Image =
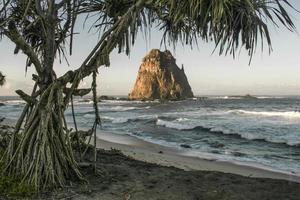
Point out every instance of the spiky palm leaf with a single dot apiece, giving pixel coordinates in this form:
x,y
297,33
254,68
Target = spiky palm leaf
x,y
230,24
2,79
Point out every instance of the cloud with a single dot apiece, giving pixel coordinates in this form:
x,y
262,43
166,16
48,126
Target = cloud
x,y
7,85
84,84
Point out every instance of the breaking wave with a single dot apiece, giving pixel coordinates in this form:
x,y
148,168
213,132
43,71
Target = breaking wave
x,y
219,130
285,114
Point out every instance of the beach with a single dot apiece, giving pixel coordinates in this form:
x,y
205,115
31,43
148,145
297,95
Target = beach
x,y
170,174
131,169
184,159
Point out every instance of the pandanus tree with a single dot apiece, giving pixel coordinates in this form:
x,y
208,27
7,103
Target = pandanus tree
x,y
43,30
2,79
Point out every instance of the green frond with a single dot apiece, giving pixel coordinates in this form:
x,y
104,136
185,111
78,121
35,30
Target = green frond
x,y
2,79
230,24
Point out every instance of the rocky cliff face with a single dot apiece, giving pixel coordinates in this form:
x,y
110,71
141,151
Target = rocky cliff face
x,y
160,78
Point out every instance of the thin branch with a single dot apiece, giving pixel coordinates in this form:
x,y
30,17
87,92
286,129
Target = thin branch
x,y
99,54
16,37
38,8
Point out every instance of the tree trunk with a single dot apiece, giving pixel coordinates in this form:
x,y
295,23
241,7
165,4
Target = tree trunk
x,y
43,155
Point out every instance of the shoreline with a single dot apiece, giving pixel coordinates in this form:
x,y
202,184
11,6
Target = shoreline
x,y
184,159
143,170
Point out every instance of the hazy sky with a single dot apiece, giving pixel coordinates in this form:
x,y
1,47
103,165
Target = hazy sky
x,y
275,74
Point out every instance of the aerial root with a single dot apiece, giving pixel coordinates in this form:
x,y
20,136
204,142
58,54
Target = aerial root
x,y
43,156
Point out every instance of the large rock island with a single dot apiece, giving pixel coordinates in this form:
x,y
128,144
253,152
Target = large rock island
x,y
160,78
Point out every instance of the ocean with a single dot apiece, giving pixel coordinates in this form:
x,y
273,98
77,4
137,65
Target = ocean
x,y
261,132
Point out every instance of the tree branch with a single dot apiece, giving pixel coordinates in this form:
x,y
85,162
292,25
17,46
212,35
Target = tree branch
x,y
15,37
29,99
61,4
67,24
100,54
38,8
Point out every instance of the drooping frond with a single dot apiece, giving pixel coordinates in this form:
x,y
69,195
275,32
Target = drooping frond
x,y
29,22
2,79
108,12
230,24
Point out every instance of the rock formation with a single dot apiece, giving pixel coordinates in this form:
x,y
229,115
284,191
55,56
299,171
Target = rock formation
x,y
160,78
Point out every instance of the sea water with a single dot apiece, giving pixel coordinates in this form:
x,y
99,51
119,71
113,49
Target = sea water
x,y
263,131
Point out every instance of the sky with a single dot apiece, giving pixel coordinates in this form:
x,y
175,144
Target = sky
x,y
277,73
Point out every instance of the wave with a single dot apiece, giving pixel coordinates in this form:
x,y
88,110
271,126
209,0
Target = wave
x,y
118,108
175,124
270,97
89,116
225,97
244,97
128,101
250,136
119,120
122,120
114,109
14,102
285,114
219,130
83,102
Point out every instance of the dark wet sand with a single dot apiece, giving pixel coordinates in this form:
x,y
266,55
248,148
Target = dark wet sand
x,y
122,177
179,176
185,158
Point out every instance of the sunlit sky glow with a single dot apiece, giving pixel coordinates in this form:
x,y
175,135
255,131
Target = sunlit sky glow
x,y
208,74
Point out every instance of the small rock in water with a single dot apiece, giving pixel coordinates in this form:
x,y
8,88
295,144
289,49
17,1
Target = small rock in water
x,y
2,104
161,152
217,145
237,154
104,97
215,151
2,119
185,146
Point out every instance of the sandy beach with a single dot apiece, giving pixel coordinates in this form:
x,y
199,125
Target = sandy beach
x,y
142,170
184,158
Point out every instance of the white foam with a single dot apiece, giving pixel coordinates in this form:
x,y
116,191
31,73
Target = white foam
x,y
285,114
120,120
269,97
174,124
118,108
82,102
182,119
246,135
89,116
225,97
14,102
